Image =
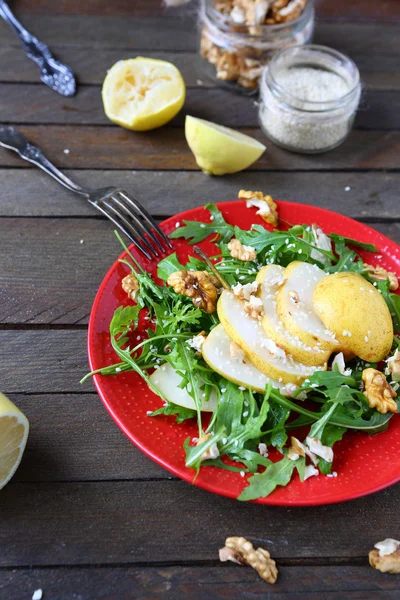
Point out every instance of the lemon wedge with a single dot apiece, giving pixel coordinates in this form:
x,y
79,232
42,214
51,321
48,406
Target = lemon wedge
x,y
14,429
219,150
143,93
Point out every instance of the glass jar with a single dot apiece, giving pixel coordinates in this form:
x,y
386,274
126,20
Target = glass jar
x,y
235,53
309,98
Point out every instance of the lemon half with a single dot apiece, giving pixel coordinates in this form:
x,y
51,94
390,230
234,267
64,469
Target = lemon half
x,y
14,429
219,150
143,93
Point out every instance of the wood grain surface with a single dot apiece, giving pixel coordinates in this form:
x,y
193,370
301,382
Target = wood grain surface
x,y
87,515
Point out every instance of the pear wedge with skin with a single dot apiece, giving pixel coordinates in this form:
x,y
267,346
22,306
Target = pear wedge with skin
x,y
294,303
216,352
259,349
270,278
168,380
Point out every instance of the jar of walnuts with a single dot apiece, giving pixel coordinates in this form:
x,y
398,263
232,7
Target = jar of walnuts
x,y
238,37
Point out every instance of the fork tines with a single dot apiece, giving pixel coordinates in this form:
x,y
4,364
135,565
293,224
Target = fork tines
x,y
135,222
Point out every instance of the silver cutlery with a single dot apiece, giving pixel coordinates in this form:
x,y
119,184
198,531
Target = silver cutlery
x,y
113,202
57,76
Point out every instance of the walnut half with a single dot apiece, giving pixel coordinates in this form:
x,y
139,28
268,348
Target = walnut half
x,y
242,552
200,286
130,285
238,250
380,274
267,208
386,556
378,392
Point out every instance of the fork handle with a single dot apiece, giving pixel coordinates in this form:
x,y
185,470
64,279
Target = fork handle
x,y
36,50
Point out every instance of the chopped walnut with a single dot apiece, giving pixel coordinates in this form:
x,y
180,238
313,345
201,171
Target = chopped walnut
x,y
238,250
386,557
130,285
236,353
298,449
242,552
243,292
294,296
200,286
393,364
289,12
211,452
197,341
267,208
378,392
380,274
253,307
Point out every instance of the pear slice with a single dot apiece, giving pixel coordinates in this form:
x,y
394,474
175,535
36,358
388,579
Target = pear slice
x,y
259,349
216,352
168,381
295,306
270,278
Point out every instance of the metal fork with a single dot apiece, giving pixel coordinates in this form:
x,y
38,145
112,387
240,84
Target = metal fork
x,y
113,202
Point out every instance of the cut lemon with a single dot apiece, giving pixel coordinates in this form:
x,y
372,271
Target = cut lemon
x,y
143,93
219,150
14,429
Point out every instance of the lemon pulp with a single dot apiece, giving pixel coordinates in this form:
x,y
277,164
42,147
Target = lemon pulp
x,y
14,429
143,93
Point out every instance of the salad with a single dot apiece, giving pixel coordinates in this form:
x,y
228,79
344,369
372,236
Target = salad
x,y
285,339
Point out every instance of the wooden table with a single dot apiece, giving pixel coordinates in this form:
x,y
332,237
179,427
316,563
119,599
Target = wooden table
x,y
87,515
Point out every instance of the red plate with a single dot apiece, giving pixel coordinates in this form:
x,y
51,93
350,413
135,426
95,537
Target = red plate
x,y
364,464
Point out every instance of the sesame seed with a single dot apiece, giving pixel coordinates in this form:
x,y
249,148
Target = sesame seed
x,y
347,188
246,413
242,473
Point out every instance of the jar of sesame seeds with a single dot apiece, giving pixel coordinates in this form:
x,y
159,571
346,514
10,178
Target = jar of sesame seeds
x,y
239,37
309,98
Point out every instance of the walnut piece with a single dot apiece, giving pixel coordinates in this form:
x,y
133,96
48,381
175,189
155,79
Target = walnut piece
x,y
267,208
130,285
393,364
380,274
200,286
236,353
289,12
254,307
242,552
378,392
386,557
244,253
294,296
243,292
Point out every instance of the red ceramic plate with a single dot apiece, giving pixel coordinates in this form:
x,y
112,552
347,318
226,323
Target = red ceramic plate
x,y
364,464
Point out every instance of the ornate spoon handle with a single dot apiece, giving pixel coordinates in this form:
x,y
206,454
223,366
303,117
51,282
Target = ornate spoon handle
x,y
57,76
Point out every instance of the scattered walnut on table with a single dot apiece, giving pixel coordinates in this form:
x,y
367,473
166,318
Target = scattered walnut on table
x,y
200,286
386,556
267,208
130,285
244,253
241,551
380,274
378,392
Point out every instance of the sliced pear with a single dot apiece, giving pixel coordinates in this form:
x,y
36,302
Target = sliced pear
x,y
216,352
259,349
168,381
358,315
270,278
295,307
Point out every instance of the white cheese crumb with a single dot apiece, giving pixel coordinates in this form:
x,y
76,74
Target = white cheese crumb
x,y
196,342
310,471
245,291
177,224
118,369
37,594
242,473
148,412
387,546
338,361
262,449
317,447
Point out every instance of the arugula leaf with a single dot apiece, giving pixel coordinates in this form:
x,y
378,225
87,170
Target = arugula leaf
x,y
196,231
364,246
195,453
263,484
331,434
393,302
182,413
168,265
329,380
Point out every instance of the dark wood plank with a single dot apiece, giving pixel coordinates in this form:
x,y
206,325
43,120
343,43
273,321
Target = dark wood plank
x,y
31,193
378,72
200,583
342,10
379,110
166,149
56,281
72,438
171,521
179,33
